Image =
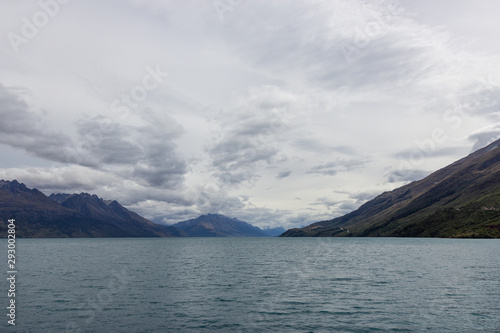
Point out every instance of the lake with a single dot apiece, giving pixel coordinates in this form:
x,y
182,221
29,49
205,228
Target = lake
x,y
254,285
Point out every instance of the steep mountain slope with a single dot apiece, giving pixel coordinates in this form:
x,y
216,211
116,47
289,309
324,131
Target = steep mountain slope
x,y
38,216
115,214
460,200
215,225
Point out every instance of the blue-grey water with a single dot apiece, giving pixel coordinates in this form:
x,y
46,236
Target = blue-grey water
x,y
255,285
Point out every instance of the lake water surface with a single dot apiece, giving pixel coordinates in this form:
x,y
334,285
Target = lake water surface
x,y
255,285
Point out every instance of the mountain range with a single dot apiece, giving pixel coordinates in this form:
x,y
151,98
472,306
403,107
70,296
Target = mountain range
x,y
460,200
87,215
71,215
215,225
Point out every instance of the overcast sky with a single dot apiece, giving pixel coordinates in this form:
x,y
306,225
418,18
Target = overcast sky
x,y
279,113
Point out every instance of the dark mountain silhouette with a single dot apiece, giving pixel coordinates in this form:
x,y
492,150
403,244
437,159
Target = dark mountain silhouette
x,y
215,225
110,210
77,215
460,200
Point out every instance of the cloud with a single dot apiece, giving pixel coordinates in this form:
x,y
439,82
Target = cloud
x,y
406,175
283,174
409,154
62,179
131,193
240,151
22,128
310,144
106,184
145,152
214,200
307,44
253,132
328,169
362,197
484,136
329,203
340,165
336,207
113,144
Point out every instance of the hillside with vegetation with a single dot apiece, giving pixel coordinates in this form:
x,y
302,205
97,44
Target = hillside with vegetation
x,y
461,200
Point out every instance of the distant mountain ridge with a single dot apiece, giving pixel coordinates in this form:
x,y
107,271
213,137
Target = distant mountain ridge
x,y
460,200
71,215
274,232
215,225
